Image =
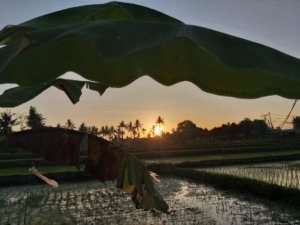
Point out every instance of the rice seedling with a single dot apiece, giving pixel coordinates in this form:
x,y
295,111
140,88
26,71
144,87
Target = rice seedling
x,y
93,202
280,173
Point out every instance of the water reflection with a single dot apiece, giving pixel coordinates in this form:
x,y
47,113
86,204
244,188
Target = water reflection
x,y
98,203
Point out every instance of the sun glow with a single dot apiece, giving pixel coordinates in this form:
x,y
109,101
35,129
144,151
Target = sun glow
x,y
157,131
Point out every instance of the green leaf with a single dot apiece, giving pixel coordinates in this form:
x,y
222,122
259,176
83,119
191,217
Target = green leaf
x,y
115,52
108,11
19,95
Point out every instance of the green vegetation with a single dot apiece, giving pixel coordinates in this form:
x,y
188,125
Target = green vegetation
x,y
34,120
163,53
70,125
4,172
186,132
296,122
177,160
7,121
97,203
283,174
243,185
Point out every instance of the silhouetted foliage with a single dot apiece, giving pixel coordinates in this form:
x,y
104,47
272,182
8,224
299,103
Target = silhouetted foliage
x,y
83,128
70,125
160,121
34,120
296,122
7,121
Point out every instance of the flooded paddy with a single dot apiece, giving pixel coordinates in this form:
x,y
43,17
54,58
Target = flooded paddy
x,y
281,173
97,203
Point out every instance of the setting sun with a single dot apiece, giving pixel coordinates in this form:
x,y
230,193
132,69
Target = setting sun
x,y
157,131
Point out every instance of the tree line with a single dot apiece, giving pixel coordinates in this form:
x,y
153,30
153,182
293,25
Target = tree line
x,y
185,130
35,120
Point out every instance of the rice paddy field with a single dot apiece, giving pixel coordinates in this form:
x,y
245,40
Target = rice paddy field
x,y
96,203
285,174
190,202
203,158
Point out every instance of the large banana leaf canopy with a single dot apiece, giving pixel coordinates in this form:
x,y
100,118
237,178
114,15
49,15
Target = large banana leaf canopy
x,y
113,44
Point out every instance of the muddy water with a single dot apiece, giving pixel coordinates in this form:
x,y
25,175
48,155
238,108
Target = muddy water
x,y
280,173
98,203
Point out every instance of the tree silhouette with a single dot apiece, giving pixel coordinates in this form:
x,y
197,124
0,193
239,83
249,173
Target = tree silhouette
x,y
7,121
93,130
105,131
137,126
122,126
160,121
102,131
144,130
70,125
296,122
112,133
34,120
130,128
152,130
119,133
83,128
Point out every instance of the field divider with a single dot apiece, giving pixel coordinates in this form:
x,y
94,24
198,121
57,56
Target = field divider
x,y
241,161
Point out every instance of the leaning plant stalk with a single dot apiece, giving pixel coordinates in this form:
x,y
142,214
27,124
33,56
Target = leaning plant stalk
x,y
52,183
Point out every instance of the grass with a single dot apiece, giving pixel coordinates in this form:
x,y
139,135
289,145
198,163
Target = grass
x,y
42,169
177,160
19,160
171,160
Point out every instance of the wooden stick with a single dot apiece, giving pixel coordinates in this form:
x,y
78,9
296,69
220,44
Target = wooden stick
x,y
53,183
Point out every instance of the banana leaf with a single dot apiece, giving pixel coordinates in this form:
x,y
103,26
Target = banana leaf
x,y
72,88
116,43
105,161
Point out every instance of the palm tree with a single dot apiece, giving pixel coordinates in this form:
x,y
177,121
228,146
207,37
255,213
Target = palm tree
x,y
122,125
152,130
105,131
137,126
34,120
130,127
102,131
144,130
70,125
119,133
134,132
159,121
7,122
93,130
112,133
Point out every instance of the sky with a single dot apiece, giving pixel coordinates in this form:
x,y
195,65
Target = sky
x,y
274,23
